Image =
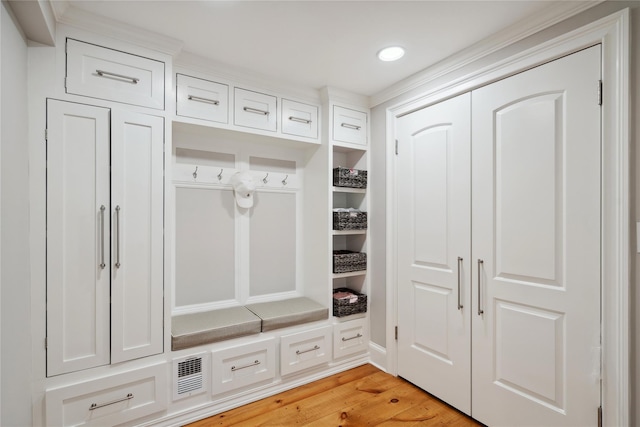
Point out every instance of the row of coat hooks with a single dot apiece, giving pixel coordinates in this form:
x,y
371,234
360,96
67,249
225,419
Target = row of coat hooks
x,y
265,180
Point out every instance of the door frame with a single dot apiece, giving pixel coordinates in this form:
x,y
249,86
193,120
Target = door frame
x,y
613,33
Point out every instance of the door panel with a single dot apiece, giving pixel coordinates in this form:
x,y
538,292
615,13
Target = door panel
x,y
77,237
137,235
536,245
433,212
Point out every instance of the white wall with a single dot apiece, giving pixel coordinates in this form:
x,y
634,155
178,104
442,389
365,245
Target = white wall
x,y
14,221
378,282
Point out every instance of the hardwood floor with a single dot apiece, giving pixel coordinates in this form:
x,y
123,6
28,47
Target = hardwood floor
x,y
363,396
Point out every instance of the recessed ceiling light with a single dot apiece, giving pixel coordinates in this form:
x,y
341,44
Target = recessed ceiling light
x,y
392,53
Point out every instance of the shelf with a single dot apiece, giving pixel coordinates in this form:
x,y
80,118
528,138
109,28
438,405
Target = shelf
x,y
348,232
349,190
349,274
347,147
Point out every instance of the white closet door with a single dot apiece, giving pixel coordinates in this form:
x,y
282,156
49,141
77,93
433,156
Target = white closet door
x,y
536,246
77,237
434,221
137,235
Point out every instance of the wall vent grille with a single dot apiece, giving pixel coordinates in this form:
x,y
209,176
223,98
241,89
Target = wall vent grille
x,y
189,376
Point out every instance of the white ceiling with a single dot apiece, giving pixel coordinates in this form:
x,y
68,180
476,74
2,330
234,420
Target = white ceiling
x,y
322,43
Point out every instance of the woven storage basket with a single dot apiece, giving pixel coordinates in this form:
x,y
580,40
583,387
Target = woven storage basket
x,y
344,307
349,220
347,261
353,178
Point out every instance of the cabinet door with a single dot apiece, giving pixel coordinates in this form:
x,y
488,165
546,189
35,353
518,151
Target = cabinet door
x,y
137,235
77,237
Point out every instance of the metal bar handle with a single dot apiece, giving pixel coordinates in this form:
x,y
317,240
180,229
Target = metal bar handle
x,y
205,100
102,73
480,265
255,111
102,264
350,126
100,405
255,363
353,337
300,120
315,347
460,306
118,237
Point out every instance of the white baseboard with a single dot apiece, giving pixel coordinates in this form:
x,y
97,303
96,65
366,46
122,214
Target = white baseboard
x,y
378,355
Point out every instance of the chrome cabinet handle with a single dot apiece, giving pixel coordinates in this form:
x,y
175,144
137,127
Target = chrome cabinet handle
x,y
352,338
350,126
100,405
205,100
118,237
299,120
315,347
255,111
480,265
255,363
102,73
102,264
460,306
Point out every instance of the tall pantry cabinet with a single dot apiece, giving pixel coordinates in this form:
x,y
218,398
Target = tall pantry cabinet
x,y
104,236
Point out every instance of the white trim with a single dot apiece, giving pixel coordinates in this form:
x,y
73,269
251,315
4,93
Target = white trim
x,y
558,12
613,33
378,356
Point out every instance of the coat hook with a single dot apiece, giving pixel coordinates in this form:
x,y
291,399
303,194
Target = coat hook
x,y
195,173
265,180
284,181
220,175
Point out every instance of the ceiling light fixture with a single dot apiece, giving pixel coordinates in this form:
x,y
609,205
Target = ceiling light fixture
x,y
392,53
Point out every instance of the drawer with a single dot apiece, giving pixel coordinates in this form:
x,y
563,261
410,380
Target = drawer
x,y
99,72
305,349
109,401
254,110
349,125
299,119
349,338
202,99
243,365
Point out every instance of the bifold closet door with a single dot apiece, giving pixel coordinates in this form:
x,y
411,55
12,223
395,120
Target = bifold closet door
x,y
434,229
78,223
536,246
137,206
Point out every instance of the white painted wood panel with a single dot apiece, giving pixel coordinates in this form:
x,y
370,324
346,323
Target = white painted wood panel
x,y
255,110
202,99
137,200
78,223
350,338
243,365
349,125
303,350
299,119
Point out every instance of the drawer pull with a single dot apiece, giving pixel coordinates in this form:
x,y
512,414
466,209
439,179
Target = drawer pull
x,y
315,347
205,100
350,126
300,120
352,338
101,73
255,111
100,405
256,363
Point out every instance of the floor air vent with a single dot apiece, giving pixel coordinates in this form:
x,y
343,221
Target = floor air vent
x,y
189,376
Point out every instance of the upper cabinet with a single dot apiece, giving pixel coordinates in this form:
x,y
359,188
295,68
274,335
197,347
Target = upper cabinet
x,y
349,125
299,119
103,73
202,99
255,110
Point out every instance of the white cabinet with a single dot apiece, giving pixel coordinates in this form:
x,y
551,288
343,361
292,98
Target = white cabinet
x,y
350,338
104,236
306,349
244,365
99,72
255,110
202,99
109,401
349,125
299,119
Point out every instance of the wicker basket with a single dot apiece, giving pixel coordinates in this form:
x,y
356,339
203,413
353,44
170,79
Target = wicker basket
x,y
353,178
348,306
347,261
349,220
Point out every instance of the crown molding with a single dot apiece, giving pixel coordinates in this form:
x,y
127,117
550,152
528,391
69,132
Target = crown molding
x,y
555,13
74,17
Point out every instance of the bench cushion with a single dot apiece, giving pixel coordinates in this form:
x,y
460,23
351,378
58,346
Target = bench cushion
x,y
294,311
190,330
